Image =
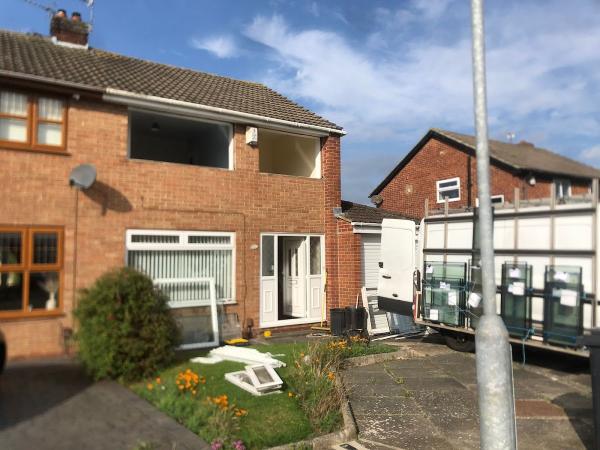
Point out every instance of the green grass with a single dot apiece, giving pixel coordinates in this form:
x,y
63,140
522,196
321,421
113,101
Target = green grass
x,y
271,420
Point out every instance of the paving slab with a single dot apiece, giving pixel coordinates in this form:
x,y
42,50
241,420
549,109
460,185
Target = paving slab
x,y
430,400
53,405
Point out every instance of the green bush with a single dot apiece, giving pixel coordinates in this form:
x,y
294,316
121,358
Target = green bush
x,y
312,378
126,330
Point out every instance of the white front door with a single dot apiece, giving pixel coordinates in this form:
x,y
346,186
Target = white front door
x,y
291,279
294,297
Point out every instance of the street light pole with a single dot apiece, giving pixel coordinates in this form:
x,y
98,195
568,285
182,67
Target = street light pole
x,y
494,356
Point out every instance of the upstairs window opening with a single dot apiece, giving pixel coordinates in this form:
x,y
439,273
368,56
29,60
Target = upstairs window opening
x,y
174,139
289,154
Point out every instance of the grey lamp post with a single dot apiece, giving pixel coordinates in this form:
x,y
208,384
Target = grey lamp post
x,y
494,358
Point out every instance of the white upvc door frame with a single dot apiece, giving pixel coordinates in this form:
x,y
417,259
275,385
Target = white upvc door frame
x,y
274,280
294,277
212,303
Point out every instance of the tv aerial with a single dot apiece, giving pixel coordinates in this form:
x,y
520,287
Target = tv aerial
x,y
51,10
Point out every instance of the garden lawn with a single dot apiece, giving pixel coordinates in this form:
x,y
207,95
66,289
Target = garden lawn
x,y
270,420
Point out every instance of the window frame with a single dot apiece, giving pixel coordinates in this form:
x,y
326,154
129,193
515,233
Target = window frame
x,y
27,267
229,126
32,120
183,245
438,191
492,197
559,182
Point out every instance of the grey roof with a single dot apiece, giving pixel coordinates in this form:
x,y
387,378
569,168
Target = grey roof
x,y
38,56
355,212
522,156
526,156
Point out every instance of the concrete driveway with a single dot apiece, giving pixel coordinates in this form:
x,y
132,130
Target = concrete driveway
x,y
429,401
53,405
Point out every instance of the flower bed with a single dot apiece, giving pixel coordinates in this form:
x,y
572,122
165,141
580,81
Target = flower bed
x,y
199,397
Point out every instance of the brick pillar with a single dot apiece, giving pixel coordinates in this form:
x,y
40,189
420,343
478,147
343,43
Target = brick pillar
x,y
330,170
348,265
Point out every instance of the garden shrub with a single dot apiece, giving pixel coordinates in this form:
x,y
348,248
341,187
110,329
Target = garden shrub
x,y
126,329
312,379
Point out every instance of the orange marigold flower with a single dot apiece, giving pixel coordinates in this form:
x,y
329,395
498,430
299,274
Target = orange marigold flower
x,y
150,386
158,380
331,375
290,394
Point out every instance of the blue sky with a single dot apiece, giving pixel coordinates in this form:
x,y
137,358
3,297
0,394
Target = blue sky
x,y
385,70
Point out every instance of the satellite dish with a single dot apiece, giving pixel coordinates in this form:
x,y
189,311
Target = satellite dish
x,y
83,176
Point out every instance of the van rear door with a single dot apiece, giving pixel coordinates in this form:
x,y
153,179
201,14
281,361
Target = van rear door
x,y
397,266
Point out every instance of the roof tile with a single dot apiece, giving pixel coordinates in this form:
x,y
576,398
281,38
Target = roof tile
x,y
37,55
356,212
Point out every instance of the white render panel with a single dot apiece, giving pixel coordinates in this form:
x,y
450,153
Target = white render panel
x,y
504,234
460,234
537,309
534,233
573,232
435,235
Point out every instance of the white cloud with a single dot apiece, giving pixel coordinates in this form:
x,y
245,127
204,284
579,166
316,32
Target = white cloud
x,y
591,154
413,11
426,83
368,96
220,46
543,74
431,9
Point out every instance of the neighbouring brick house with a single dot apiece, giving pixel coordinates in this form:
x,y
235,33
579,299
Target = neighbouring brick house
x,y
442,165
200,179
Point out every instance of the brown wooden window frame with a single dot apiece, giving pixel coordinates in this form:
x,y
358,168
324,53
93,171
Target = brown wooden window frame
x,y
26,267
32,121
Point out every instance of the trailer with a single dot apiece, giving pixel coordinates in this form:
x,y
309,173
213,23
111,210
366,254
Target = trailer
x,y
546,271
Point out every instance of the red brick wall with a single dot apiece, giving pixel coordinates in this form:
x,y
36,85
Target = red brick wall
x,y
154,195
349,265
407,191
330,163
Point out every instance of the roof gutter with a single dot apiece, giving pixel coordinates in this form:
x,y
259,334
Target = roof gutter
x,y
366,228
39,79
149,101
366,224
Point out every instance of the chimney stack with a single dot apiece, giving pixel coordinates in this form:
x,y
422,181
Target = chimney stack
x,y
529,144
72,31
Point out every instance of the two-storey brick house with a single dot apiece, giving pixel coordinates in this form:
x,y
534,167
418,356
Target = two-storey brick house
x,y
442,166
200,179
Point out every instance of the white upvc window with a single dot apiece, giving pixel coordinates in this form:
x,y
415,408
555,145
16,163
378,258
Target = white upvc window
x,y
562,187
181,256
496,200
448,189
